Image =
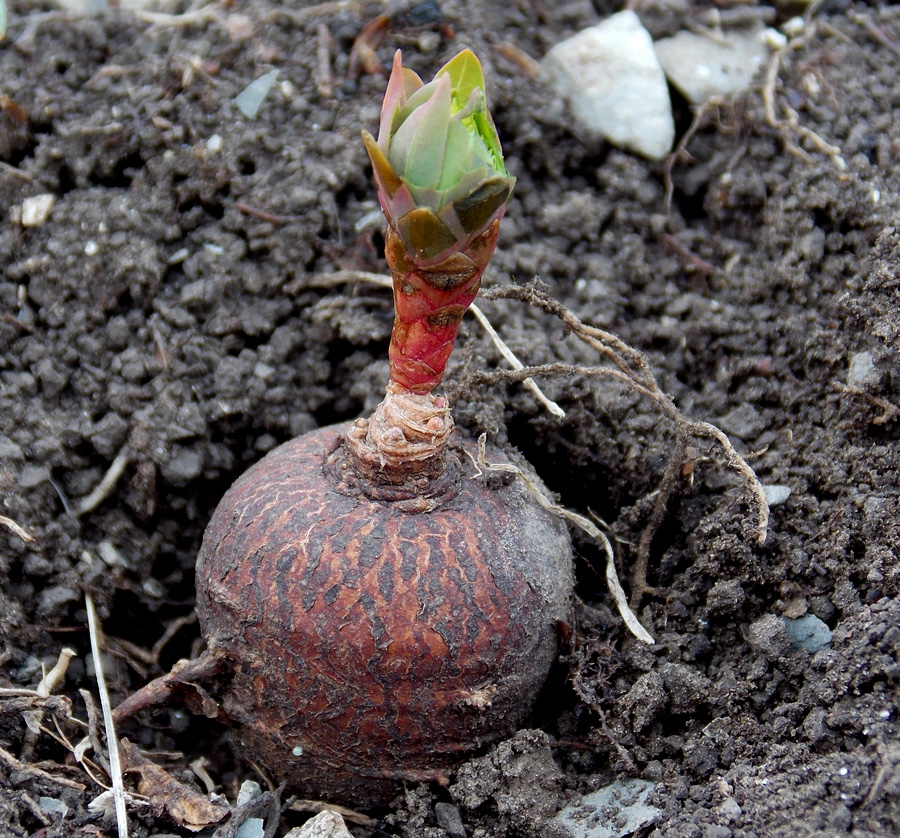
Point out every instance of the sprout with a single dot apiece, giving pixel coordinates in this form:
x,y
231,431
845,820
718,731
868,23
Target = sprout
x,y
438,162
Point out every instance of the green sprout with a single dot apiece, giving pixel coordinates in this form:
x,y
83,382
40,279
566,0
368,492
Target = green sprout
x,y
438,163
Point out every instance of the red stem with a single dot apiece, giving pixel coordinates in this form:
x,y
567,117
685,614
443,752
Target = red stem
x,y
429,303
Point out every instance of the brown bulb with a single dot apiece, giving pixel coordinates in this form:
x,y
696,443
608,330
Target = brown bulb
x,y
370,644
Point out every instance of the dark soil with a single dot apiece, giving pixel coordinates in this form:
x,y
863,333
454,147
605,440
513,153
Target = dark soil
x,y
181,312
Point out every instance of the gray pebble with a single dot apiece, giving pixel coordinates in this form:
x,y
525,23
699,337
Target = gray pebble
x,y
449,819
185,465
807,632
769,637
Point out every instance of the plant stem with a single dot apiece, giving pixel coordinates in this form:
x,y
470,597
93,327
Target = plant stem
x,y
429,303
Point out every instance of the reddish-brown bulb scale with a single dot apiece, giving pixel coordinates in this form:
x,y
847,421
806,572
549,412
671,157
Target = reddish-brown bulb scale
x,y
371,645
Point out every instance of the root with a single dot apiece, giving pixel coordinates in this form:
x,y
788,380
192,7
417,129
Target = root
x,y
612,579
629,367
790,126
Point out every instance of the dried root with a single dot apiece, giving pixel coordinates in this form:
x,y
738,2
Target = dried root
x,y
788,123
629,367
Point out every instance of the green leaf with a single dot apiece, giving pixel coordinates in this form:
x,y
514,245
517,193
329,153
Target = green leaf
x,y
465,74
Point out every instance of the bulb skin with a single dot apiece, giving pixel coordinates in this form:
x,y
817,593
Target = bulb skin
x,y
367,645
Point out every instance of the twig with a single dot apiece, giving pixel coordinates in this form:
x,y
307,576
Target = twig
x,y
115,767
889,411
18,765
320,9
792,121
660,503
16,529
205,14
633,370
700,429
324,80
104,488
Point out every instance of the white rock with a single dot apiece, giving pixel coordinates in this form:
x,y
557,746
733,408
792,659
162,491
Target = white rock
x,y
702,68
326,824
617,810
776,493
612,81
36,209
862,372
251,98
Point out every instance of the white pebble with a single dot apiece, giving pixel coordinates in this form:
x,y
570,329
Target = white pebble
x,y
612,81
36,209
326,824
702,68
776,494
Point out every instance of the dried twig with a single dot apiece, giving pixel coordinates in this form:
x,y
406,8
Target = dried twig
x,y
514,362
639,585
632,369
889,411
790,125
115,767
15,529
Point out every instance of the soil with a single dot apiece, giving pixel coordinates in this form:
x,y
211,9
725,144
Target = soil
x,y
193,300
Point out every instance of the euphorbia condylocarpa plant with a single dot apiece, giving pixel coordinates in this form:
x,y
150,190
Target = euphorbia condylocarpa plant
x,y
375,610
443,188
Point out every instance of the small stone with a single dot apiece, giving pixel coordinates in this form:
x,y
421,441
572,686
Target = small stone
x,y
807,632
448,818
730,809
326,824
702,68
617,810
713,830
863,372
184,466
611,78
53,806
36,209
776,493
239,27
251,828
251,98
31,476
248,791
769,637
